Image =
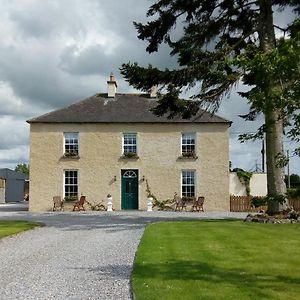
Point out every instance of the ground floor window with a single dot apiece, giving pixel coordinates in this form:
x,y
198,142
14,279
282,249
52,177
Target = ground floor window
x,y
71,183
188,183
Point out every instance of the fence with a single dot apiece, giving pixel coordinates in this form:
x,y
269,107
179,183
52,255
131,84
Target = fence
x,y
243,204
2,183
295,203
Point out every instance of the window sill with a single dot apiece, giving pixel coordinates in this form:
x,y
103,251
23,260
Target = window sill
x,y
129,157
188,157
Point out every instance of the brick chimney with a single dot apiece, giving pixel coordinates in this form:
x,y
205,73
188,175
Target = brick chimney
x,y
111,86
153,91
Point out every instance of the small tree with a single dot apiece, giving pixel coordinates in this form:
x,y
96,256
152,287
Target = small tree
x,y
294,180
23,168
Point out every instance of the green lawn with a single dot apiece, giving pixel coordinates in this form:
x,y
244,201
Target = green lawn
x,y
12,227
218,260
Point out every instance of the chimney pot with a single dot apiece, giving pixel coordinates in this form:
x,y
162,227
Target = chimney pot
x,y
112,77
111,86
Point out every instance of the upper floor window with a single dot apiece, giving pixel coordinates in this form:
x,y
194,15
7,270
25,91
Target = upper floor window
x,y
188,183
129,143
188,143
71,143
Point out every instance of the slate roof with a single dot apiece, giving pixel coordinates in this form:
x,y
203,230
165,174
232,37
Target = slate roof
x,y
124,108
6,173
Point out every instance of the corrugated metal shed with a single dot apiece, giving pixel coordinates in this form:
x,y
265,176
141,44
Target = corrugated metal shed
x,y
12,185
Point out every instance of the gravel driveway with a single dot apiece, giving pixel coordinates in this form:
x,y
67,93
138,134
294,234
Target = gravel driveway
x,y
77,255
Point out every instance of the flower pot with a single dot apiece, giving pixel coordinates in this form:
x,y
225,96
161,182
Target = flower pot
x,y
109,204
149,203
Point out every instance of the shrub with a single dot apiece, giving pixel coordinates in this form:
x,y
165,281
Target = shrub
x,y
188,199
293,193
258,201
188,154
294,215
130,154
70,154
71,198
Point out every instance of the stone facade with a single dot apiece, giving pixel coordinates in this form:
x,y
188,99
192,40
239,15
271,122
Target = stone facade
x,y
100,163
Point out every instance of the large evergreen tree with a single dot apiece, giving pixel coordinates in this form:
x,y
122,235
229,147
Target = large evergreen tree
x,y
224,42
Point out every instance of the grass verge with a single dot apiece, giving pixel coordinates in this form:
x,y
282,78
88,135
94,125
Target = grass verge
x,y
218,260
12,227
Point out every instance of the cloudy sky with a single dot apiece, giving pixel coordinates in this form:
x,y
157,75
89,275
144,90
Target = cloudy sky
x,y
56,52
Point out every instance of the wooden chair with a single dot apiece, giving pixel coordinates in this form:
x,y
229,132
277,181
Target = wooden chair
x,y
58,203
198,204
79,204
179,203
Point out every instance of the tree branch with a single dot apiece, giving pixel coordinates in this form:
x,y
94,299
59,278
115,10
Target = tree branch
x,y
280,28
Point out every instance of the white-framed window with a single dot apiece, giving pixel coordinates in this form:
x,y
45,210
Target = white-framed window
x,y
71,143
129,143
188,186
188,143
71,183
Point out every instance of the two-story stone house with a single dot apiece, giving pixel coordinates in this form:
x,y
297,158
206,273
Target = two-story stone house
x,y
112,144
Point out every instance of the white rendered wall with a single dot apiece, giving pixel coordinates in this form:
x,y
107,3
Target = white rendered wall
x,y
258,185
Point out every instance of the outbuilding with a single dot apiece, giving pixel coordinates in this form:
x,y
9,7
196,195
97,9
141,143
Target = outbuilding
x,y
12,185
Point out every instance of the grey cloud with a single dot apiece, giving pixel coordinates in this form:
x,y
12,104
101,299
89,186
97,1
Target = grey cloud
x,y
93,60
42,19
18,132
14,155
37,79
88,62
31,25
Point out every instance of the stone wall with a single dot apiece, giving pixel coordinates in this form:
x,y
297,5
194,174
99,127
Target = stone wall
x,y
100,162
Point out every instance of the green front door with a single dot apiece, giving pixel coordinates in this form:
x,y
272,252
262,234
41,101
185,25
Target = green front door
x,y
130,189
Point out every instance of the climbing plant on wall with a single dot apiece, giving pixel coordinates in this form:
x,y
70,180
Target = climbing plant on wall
x,y
244,178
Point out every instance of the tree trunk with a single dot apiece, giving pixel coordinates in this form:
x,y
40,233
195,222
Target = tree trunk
x,y
274,146
273,119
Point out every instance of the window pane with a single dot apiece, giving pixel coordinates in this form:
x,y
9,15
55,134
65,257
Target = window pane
x,y
71,183
188,142
129,141
188,184
71,142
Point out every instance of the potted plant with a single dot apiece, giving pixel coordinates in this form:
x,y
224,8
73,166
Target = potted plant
x,y
71,154
130,154
189,154
71,198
